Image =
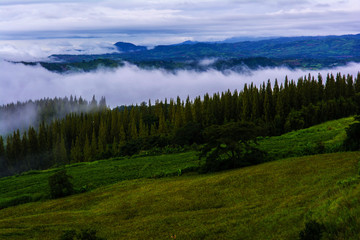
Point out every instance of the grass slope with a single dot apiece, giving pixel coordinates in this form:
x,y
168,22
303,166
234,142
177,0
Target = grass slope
x,y
322,138
33,185
267,201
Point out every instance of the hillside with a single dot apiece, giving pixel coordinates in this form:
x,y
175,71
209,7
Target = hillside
x,y
32,186
327,137
130,197
268,201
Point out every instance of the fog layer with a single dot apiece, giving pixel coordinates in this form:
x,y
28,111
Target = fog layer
x,y
131,85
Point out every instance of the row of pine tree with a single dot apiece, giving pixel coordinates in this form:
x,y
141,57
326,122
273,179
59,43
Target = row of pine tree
x,y
126,130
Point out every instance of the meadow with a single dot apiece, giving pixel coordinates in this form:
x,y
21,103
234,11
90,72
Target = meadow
x,y
327,137
267,201
33,185
160,197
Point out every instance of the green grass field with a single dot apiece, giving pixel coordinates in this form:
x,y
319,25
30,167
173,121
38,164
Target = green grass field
x,y
323,138
33,185
267,201
144,198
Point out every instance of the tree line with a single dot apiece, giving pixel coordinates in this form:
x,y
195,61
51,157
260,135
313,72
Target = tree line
x,y
21,115
153,127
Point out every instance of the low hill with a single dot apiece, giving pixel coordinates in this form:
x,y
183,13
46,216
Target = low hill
x,y
268,201
128,47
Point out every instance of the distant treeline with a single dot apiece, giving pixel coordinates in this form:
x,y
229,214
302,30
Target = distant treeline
x,y
173,124
21,115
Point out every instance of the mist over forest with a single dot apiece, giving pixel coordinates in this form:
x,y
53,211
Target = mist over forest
x,y
131,85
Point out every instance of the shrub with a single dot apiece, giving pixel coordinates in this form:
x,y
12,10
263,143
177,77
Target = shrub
x,y
313,231
84,234
88,234
68,235
352,141
60,185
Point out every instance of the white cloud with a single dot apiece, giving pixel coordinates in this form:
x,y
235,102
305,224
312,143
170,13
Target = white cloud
x,y
40,50
131,85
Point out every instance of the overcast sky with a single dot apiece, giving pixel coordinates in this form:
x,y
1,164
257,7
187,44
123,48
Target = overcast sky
x,y
31,29
169,21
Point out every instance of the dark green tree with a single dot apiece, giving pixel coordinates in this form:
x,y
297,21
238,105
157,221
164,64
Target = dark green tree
x,y
60,184
229,146
352,141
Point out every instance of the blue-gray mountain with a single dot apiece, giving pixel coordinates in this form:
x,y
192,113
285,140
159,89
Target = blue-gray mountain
x,y
294,52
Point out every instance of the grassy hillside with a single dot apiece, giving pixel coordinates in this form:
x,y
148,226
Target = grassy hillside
x,y
267,201
323,138
33,185
129,200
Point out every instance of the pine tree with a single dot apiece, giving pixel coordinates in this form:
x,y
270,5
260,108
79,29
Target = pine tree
x,y
115,147
153,130
330,88
255,111
122,134
93,146
246,104
2,149
16,147
162,129
350,89
133,132
24,146
59,151
76,152
357,83
102,138
179,121
87,150
143,130
188,111
198,114
268,103
33,141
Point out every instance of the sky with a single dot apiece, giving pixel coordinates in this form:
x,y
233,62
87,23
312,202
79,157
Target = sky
x,y
70,23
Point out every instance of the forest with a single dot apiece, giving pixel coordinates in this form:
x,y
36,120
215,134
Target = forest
x,y
75,130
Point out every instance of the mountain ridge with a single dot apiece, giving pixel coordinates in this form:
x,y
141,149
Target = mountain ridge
x,y
309,52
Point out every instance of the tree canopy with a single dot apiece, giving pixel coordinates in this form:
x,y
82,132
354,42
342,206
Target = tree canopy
x,y
231,145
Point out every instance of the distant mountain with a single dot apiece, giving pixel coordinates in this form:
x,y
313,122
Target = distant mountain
x,y
295,52
338,47
129,47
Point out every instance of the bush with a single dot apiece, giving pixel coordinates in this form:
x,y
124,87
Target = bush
x,y
68,235
88,234
60,185
313,231
352,141
84,234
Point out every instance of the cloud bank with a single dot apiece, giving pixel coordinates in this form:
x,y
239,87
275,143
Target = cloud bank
x,y
131,85
40,50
